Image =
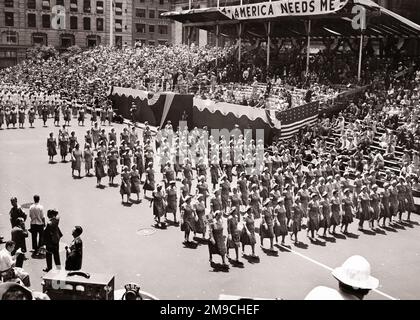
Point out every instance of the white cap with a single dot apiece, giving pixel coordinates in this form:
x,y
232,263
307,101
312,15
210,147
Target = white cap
x,y
324,293
355,272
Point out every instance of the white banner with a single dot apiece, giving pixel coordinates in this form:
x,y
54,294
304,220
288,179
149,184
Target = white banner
x,y
283,8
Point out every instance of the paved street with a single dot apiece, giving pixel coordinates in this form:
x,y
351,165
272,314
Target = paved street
x,y
116,242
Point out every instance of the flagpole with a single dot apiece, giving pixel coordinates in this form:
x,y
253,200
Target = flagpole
x,y
359,73
308,49
111,23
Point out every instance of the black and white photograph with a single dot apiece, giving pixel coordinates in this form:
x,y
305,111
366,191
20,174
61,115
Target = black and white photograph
x,y
210,150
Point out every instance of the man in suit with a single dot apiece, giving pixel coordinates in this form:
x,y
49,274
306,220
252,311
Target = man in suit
x,y
75,252
52,236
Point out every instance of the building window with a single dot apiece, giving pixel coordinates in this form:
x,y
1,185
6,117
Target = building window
x,y
86,6
31,4
66,40
45,4
39,39
151,14
140,28
100,7
86,23
163,29
118,8
73,5
141,13
73,23
8,3
118,41
9,18
142,1
162,42
151,28
46,21
9,37
151,42
92,41
59,2
31,20
99,24
161,2
118,25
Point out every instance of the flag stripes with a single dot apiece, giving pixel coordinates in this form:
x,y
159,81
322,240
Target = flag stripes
x,y
292,120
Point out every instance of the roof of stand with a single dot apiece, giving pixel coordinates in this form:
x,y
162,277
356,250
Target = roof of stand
x,y
381,23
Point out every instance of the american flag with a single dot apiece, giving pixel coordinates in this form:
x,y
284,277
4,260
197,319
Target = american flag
x,y
292,120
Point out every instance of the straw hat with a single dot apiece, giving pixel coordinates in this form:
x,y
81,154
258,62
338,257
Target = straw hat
x,y
355,272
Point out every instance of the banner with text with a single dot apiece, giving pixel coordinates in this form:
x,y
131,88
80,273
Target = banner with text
x,y
283,8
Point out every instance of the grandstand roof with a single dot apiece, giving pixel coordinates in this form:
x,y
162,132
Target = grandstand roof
x,y
381,23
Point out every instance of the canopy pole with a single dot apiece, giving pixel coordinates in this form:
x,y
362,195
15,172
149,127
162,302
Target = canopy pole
x,y
111,23
189,4
240,45
359,73
268,46
217,42
308,48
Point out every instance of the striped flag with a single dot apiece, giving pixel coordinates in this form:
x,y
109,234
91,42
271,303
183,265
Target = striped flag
x,y
294,119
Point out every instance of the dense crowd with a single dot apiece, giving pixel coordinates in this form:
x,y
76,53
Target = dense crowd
x,y
360,164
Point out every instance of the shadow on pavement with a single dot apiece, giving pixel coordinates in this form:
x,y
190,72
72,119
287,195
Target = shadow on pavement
x,y
127,204
328,239
270,252
301,245
317,242
368,232
236,264
397,226
339,236
201,241
190,245
352,235
251,259
283,248
406,224
390,229
380,231
218,267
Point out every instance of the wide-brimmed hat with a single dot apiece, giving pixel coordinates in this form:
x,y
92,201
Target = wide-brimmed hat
x,y
355,272
8,286
323,293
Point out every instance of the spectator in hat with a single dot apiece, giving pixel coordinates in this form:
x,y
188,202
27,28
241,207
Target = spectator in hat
x,y
74,254
52,236
354,282
16,212
19,235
